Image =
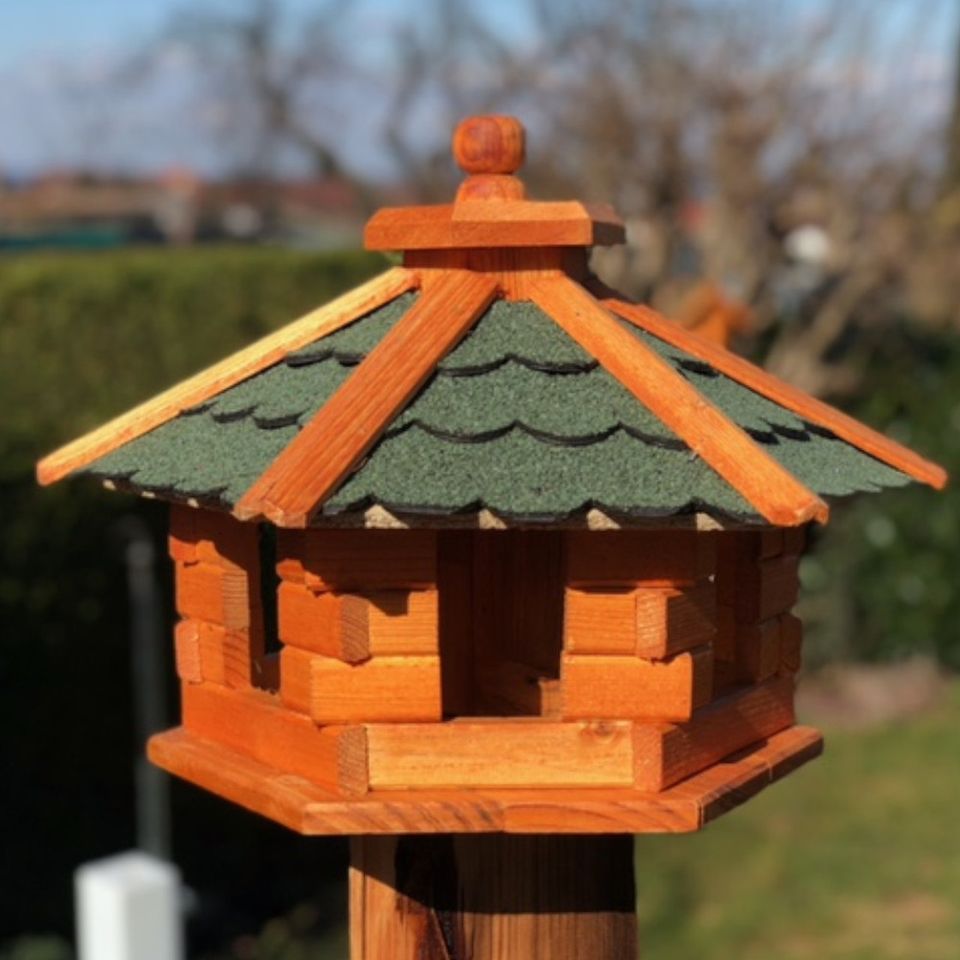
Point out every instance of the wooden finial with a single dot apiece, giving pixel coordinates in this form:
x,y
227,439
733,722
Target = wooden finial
x,y
490,150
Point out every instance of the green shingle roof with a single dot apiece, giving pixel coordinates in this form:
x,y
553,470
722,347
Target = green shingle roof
x,y
517,419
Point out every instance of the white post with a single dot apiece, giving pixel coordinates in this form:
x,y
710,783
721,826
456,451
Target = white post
x,y
128,908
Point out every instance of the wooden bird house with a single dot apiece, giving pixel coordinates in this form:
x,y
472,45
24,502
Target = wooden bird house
x,y
482,548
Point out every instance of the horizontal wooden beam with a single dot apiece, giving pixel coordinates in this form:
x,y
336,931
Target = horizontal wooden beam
x,y
389,689
594,686
228,372
500,753
793,399
480,223
650,622
256,725
766,485
356,626
668,754
314,810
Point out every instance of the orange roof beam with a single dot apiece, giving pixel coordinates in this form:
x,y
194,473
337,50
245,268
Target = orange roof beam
x,y
795,400
227,373
775,494
324,453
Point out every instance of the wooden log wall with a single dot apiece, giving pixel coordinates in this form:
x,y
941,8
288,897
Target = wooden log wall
x,y
359,624
219,638
468,659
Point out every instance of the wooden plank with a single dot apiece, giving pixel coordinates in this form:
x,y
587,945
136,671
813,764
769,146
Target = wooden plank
x,y
209,536
313,810
791,642
772,541
650,622
479,223
673,620
353,627
638,557
401,622
500,753
766,588
389,689
205,591
631,688
357,560
722,788
228,372
322,455
329,623
793,399
758,650
772,490
666,754
738,553
255,724
600,620
225,658
186,637
795,540
725,639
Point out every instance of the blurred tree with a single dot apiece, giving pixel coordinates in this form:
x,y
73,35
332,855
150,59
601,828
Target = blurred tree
x,y
269,80
719,128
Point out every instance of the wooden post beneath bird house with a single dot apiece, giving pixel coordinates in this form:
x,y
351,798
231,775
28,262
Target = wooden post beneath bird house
x,y
489,570
492,897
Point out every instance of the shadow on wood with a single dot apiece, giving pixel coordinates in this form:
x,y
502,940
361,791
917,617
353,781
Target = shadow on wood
x,y
489,897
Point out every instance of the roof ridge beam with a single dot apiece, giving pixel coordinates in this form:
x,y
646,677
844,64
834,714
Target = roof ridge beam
x,y
772,490
767,385
323,454
228,372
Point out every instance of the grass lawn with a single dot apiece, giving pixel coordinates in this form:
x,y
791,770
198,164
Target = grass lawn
x,y
856,856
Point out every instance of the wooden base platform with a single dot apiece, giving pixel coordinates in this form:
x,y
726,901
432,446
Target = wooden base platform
x,y
309,809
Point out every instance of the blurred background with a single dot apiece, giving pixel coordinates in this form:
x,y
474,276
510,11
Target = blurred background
x,y
178,178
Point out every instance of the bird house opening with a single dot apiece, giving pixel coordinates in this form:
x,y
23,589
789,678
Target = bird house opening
x,y
500,622
265,671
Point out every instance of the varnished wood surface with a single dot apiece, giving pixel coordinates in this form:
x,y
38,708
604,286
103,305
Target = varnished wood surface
x,y
502,752
238,366
322,455
802,404
492,898
310,809
771,489
486,223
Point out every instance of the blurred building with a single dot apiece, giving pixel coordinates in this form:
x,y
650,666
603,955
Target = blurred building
x,y
74,208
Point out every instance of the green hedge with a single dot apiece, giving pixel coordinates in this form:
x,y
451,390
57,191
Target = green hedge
x,y
86,336
83,337
882,583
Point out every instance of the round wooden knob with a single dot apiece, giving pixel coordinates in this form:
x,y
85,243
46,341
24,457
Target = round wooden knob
x,y
489,144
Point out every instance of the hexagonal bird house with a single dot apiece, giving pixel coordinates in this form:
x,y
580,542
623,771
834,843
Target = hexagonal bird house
x,y
483,547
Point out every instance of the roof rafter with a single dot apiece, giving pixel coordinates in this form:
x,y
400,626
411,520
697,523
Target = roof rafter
x,y
772,490
227,373
322,455
759,380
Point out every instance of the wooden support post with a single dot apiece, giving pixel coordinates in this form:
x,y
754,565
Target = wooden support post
x,y
494,896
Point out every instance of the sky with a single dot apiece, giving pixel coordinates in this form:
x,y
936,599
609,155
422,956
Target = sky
x,y
56,59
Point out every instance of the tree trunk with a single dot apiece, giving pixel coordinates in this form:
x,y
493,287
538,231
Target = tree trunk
x,y
492,897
